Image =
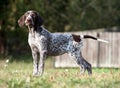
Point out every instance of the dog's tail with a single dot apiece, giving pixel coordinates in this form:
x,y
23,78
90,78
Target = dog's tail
x,y
88,36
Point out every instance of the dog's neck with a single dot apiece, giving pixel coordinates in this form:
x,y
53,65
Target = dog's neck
x,y
32,29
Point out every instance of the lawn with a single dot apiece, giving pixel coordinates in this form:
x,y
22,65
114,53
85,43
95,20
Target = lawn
x,y
18,74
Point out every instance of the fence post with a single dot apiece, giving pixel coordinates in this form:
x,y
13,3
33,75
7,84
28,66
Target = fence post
x,y
98,51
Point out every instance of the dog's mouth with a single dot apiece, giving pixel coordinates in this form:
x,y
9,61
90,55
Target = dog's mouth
x,y
28,22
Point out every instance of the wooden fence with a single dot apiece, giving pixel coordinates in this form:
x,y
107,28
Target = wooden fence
x,y
97,53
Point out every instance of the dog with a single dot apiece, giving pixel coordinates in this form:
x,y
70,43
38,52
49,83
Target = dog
x,y
52,44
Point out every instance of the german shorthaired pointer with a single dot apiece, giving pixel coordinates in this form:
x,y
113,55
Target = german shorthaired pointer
x,y
52,44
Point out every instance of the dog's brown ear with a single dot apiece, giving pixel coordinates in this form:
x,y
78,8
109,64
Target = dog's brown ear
x,y
39,20
21,21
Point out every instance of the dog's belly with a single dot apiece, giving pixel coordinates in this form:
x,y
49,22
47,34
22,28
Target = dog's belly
x,y
53,53
57,50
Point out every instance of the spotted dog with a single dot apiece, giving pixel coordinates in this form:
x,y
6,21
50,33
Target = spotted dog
x,y
52,44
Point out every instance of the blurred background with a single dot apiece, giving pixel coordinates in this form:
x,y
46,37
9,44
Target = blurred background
x,y
59,16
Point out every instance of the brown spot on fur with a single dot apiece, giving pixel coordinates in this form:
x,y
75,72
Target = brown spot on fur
x,y
76,38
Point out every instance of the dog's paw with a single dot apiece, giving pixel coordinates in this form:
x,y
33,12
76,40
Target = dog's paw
x,y
40,73
35,74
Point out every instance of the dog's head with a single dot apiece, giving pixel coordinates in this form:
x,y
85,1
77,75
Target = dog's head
x,y
30,18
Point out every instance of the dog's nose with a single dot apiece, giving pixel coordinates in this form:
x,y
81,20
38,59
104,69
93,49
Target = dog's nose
x,y
28,20
28,17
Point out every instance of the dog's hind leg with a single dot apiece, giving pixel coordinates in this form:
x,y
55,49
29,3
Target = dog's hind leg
x,y
88,67
75,53
83,64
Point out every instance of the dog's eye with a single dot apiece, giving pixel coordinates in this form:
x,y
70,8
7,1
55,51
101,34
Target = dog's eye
x,y
27,13
33,15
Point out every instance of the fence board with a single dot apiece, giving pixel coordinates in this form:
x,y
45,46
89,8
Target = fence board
x,y
109,54
97,53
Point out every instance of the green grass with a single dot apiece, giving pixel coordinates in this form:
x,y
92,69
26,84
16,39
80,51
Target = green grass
x,y
18,74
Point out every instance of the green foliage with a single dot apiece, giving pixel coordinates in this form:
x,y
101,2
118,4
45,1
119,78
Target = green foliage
x,y
67,15
17,41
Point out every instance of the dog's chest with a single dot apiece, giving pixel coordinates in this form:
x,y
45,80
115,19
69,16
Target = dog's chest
x,y
34,40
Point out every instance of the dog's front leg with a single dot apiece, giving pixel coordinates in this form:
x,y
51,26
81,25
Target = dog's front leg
x,y
43,53
35,63
41,63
